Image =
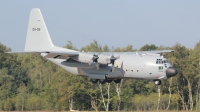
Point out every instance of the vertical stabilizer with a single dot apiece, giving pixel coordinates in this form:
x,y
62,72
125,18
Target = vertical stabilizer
x,y
38,38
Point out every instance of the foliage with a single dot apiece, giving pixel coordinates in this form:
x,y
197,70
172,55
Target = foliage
x,y
30,82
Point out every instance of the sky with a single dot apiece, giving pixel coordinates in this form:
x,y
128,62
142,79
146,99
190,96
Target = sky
x,y
115,23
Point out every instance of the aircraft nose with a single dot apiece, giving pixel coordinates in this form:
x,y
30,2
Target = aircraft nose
x,y
171,71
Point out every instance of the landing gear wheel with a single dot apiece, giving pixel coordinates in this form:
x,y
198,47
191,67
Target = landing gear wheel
x,y
108,81
94,80
117,80
102,81
157,82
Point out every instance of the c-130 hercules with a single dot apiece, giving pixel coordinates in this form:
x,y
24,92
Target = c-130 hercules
x,y
100,67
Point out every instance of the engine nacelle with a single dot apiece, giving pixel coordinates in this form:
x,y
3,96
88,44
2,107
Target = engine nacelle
x,y
77,64
103,59
84,58
87,58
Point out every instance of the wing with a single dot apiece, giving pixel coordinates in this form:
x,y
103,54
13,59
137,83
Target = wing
x,y
50,54
60,55
157,51
137,52
65,54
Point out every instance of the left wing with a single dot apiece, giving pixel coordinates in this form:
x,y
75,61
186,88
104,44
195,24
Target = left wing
x,y
51,54
64,54
60,55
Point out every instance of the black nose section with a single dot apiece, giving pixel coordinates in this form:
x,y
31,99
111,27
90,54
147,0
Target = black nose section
x,y
171,71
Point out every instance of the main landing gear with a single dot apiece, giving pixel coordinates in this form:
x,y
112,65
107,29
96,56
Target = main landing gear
x,y
157,82
103,81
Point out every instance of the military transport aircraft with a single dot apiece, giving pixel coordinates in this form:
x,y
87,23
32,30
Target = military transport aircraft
x,y
99,67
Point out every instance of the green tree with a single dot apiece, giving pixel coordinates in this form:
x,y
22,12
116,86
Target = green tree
x,y
148,47
21,98
93,47
69,45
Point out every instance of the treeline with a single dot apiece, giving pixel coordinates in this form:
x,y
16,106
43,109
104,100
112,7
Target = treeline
x,y
30,82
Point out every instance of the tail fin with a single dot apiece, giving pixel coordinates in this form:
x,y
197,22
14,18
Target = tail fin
x,y
38,37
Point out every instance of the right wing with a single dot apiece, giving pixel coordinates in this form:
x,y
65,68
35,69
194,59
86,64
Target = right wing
x,y
157,51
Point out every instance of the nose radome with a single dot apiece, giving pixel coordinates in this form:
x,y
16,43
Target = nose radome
x,y
171,71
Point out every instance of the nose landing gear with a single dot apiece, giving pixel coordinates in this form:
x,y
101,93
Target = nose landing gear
x,y
157,82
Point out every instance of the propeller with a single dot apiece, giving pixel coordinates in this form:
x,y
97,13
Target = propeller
x,y
95,59
112,60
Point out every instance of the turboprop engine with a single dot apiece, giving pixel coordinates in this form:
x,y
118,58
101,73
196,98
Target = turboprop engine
x,y
88,58
84,58
97,59
103,59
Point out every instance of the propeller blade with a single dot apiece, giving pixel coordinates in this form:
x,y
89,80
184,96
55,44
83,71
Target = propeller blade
x,y
90,62
113,68
99,53
118,57
97,66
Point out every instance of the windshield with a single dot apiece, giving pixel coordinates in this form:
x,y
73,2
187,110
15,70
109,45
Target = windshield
x,y
160,61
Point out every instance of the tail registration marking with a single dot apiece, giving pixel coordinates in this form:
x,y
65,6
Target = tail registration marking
x,y
35,29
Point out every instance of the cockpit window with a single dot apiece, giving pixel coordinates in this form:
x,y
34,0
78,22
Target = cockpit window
x,y
160,61
166,61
